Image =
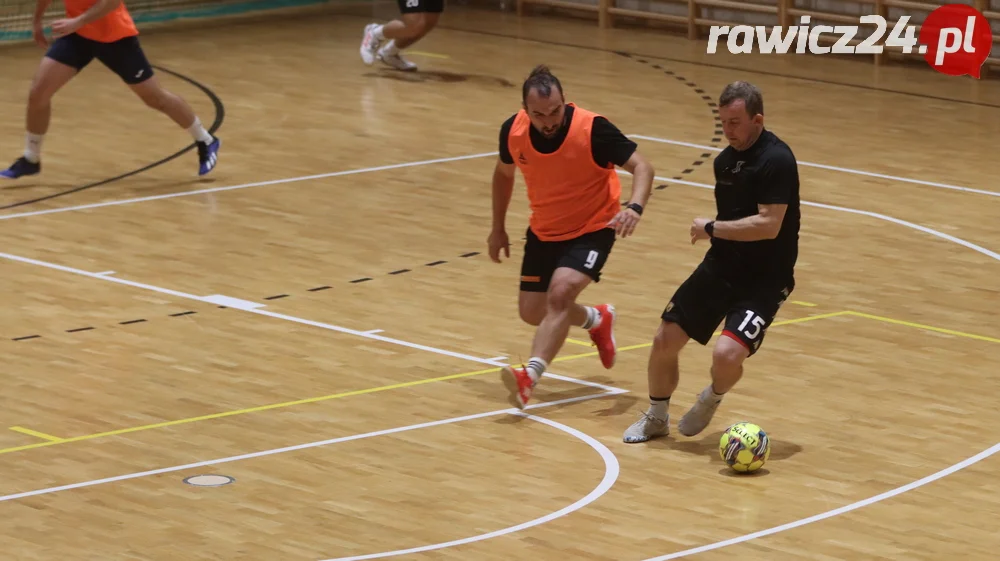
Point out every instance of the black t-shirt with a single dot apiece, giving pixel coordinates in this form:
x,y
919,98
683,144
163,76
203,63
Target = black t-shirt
x,y
608,144
765,173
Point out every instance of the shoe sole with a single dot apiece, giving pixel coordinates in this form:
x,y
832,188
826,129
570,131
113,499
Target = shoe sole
x,y
510,382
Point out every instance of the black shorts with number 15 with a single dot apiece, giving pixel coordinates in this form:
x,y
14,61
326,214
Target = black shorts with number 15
x,y
587,253
707,298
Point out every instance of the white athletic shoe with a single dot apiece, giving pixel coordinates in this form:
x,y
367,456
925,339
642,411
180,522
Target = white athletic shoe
x,y
700,414
369,44
391,57
646,428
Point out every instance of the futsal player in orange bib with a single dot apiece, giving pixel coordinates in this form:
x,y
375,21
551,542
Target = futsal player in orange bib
x,y
567,156
101,29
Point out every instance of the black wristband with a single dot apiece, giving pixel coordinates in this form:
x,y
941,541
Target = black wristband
x,y
636,207
710,228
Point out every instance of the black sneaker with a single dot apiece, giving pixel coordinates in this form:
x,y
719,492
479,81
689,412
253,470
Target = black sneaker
x,y
21,168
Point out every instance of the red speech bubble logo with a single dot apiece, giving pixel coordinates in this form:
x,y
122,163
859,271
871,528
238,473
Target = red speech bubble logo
x,y
957,39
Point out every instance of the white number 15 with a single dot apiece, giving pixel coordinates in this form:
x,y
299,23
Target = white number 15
x,y
757,321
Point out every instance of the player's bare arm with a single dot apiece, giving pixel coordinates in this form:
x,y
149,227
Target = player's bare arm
x,y
764,225
503,188
67,26
38,35
642,172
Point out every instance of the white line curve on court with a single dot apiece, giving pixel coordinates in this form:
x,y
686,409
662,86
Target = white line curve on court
x,y
980,249
837,511
511,411
832,168
611,471
247,185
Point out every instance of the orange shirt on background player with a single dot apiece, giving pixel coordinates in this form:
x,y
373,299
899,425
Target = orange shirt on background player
x,y
569,194
114,26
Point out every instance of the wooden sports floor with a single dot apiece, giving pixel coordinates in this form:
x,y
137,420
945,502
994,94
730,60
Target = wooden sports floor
x,y
318,319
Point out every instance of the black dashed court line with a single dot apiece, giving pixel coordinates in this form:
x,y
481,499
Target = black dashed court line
x,y
709,101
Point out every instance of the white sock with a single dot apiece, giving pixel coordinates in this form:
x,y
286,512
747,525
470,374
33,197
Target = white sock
x,y
658,407
709,394
33,147
390,48
199,133
593,320
536,367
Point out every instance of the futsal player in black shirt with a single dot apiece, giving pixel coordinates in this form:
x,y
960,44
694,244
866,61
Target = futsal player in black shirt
x,y
746,274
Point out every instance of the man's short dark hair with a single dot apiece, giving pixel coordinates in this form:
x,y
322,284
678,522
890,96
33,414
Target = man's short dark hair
x,y
746,91
542,80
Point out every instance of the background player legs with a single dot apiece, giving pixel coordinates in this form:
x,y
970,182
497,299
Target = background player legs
x,y
50,77
385,41
154,95
409,30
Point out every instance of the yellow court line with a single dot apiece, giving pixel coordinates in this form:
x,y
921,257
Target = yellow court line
x,y
927,327
577,342
424,53
244,411
650,344
335,396
806,304
37,434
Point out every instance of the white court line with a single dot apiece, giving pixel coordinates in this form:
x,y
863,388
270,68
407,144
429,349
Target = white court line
x,y
274,451
837,511
256,308
247,185
611,471
831,168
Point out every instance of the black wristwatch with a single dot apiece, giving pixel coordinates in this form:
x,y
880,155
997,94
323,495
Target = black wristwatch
x,y
636,207
710,228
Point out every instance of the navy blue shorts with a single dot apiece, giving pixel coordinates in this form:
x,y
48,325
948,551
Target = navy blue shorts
x,y
124,57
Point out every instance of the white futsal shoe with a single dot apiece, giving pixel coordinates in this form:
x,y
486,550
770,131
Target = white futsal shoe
x,y
389,55
369,44
646,428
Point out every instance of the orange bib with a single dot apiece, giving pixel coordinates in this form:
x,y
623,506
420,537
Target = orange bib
x,y
116,25
569,194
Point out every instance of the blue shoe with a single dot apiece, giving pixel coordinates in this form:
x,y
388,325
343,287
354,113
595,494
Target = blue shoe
x,y
208,156
21,168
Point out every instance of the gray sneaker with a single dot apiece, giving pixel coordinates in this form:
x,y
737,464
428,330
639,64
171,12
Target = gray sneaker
x,y
646,428
700,414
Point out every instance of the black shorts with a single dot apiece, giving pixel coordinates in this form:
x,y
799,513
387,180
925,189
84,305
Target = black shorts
x,y
587,254
124,57
707,298
420,6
